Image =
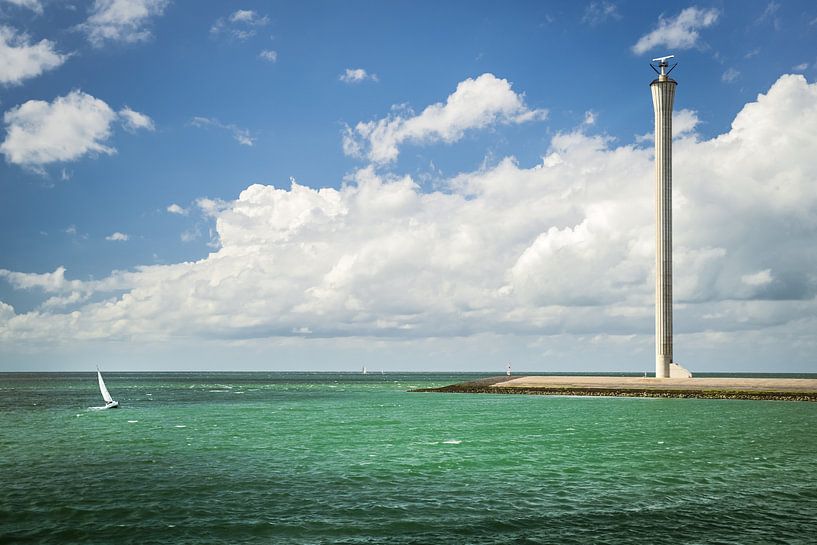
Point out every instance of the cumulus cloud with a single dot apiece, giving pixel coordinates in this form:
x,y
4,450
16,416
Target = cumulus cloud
x,y
356,75
476,103
121,20
564,247
21,60
684,122
134,121
242,136
39,132
240,25
269,55
680,32
117,237
34,5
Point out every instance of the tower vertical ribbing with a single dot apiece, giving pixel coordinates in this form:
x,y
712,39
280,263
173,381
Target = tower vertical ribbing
x,y
663,95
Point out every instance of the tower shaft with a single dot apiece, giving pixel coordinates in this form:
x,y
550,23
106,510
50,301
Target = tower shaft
x,y
663,95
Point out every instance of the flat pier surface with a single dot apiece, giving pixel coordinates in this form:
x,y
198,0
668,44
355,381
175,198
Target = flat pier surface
x,y
703,383
788,389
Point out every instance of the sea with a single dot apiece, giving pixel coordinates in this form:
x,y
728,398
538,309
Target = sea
x,y
314,458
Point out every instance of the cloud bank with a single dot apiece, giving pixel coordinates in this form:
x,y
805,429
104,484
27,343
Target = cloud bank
x,y
564,247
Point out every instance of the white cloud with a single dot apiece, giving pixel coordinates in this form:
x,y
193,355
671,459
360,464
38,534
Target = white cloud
x,y
249,17
49,282
684,122
590,117
40,132
561,248
356,75
176,209
800,67
240,25
269,55
34,5
211,207
242,136
680,32
133,120
77,124
21,60
730,75
597,13
760,278
117,236
121,20
476,103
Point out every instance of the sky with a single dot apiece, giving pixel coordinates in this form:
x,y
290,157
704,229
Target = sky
x,y
406,185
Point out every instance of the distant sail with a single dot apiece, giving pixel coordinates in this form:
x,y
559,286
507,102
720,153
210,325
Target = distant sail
x,y
106,395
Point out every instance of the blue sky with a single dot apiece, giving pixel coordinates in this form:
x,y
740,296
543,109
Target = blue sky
x,y
147,119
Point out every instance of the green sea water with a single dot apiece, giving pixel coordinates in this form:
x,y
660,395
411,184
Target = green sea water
x,y
201,458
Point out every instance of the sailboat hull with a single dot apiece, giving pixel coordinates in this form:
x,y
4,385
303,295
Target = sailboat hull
x,y
113,405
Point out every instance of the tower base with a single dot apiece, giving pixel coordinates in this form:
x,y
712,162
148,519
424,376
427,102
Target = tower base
x,y
662,366
677,371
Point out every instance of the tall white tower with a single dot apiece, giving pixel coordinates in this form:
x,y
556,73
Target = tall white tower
x,y
663,95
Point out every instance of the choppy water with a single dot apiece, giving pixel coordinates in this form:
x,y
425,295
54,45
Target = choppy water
x,y
321,458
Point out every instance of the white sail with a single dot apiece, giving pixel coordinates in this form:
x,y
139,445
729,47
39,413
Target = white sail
x,y
106,395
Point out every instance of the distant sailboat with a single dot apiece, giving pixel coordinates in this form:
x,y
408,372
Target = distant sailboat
x,y
508,369
106,395
365,371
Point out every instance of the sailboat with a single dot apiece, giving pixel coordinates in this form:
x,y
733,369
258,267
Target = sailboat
x,y
106,395
365,371
508,369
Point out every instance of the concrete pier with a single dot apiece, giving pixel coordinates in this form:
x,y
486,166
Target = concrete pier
x,y
779,389
663,96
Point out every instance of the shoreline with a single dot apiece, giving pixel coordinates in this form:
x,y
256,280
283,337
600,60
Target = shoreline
x,y
754,389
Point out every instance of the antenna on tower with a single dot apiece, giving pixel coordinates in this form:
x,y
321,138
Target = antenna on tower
x,y
663,65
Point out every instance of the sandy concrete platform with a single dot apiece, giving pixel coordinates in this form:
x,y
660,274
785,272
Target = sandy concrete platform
x,y
781,389
702,383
